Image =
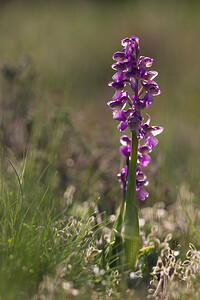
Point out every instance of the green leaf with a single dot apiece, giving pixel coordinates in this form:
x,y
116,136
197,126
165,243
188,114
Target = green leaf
x,y
131,221
117,238
145,250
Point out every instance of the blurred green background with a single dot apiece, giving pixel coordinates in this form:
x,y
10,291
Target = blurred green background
x,y
58,133
70,44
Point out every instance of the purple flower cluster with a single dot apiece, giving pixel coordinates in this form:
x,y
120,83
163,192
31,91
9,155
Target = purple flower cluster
x,y
132,72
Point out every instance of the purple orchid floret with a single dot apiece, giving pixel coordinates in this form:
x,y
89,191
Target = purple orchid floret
x,y
132,70
125,148
142,194
122,177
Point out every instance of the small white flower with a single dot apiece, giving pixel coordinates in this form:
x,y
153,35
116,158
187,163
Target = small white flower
x,y
102,272
96,270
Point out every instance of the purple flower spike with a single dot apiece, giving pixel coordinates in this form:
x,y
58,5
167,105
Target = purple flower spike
x,y
132,71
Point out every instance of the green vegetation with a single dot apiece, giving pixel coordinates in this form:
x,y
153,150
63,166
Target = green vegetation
x,y
58,187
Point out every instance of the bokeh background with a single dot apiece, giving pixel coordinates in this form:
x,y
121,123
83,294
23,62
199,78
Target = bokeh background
x,y
59,146
55,65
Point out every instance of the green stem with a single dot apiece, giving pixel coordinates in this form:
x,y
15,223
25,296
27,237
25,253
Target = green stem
x,y
131,222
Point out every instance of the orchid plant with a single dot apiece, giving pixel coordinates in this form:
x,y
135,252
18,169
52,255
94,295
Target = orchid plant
x,y
131,72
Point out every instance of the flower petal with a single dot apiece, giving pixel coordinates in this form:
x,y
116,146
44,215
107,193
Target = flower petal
x,y
148,98
118,76
155,130
150,75
121,66
123,177
117,95
146,61
151,141
116,105
144,149
142,194
125,150
152,87
123,126
141,176
117,85
119,115
125,140
141,183
125,42
118,56
145,159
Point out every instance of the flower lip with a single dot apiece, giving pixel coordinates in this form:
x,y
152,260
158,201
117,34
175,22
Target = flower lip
x,y
121,66
117,95
118,76
155,130
141,176
144,160
148,98
123,177
144,149
119,115
151,141
150,75
145,61
123,126
117,85
142,194
125,42
116,104
125,140
142,183
151,86
125,150
118,56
